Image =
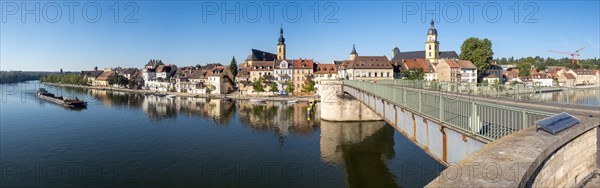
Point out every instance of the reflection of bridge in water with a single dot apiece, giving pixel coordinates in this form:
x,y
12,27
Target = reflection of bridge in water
x,y
362,147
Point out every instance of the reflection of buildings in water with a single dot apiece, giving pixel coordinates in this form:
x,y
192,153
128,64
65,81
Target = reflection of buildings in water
x,y
576,96
278,117
362,148
116,98
102,96
159,108
163,107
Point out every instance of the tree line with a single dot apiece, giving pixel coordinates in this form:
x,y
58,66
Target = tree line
x,y
64,79
541,63
21,76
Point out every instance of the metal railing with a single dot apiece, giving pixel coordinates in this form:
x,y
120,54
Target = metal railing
x,y
589,96
488,120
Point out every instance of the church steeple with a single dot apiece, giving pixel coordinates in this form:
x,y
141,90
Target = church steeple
x,y
353,54
432,30
432,46
281,39
281,45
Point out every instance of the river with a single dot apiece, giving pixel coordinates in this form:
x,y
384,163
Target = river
x,y
574,96
124,139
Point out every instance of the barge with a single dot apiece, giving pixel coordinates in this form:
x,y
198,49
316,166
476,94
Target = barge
x,y
44,94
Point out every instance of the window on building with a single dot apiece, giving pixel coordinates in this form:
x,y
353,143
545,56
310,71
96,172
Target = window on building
x,y
430,47
375,74
429,54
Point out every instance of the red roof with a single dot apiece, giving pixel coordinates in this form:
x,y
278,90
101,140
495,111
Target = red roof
x,y
491,76
424,64
452,63
569,76
512,73
164,68
370,62
105,76
303,64
262,65
465,64
217,71
326,69
244,73
540,75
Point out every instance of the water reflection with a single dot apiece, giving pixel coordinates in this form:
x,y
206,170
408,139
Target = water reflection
x,y
583,96
277,116
362,148
367,154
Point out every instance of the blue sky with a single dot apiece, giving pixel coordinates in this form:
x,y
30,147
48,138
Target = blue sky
x,y
186,33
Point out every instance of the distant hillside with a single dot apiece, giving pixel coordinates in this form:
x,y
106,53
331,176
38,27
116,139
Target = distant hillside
x,y
21,76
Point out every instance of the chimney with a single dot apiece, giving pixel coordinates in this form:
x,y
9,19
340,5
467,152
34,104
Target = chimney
x,y
95,68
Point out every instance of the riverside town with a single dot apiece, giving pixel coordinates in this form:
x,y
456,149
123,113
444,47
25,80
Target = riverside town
x,y
345,94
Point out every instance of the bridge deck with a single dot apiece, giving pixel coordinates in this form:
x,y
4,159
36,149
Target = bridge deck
x,y
487,117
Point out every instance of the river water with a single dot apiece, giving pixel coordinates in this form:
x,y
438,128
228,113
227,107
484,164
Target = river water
x,y
124,139
575,96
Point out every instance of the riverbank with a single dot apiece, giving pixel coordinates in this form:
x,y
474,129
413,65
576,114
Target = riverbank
x,y
234,95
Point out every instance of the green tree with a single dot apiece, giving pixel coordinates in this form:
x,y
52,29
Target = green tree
x,y
289,87
413,74
524,66
64,79
309,86
209,89
495,85
477,51
118,80
273,87
257,85
540,67
233,66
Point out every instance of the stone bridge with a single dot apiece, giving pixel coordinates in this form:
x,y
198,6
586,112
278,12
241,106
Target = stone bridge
x,y
485,142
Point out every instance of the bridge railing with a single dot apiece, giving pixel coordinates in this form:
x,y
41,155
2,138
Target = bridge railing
x,y
517,92
488,120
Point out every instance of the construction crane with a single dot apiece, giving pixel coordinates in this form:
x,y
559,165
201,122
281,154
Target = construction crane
x,y
576,53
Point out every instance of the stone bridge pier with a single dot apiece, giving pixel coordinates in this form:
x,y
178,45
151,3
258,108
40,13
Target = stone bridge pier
x,y
338,106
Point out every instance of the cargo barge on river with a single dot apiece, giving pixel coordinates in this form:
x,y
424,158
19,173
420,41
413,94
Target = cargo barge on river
x,y
44,94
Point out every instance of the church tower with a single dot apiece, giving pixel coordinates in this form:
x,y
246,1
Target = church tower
x,y
432,46
353,54
281,46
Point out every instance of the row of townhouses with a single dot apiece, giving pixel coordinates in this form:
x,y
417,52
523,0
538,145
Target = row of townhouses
x,y
553,76
278,73
157,76
276,68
